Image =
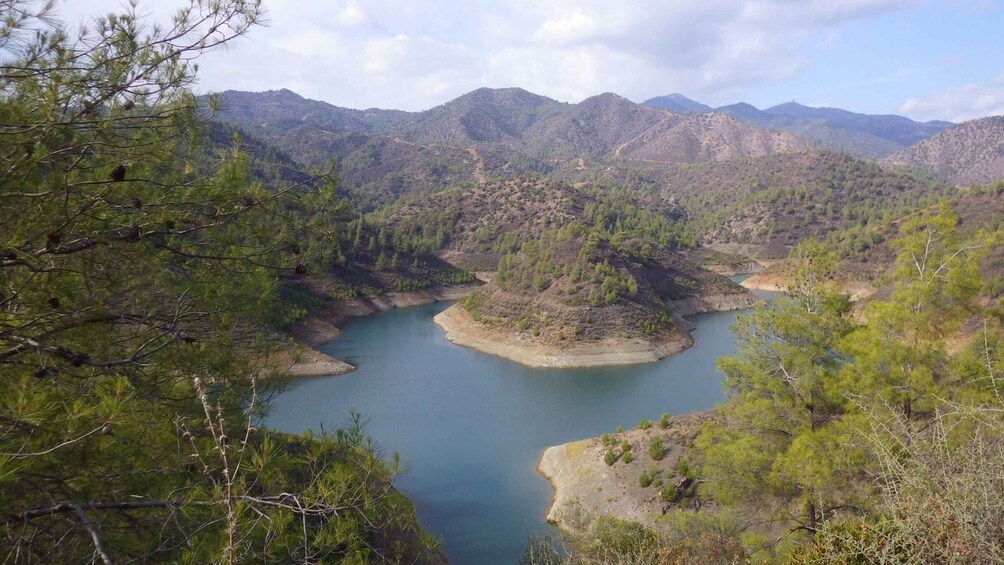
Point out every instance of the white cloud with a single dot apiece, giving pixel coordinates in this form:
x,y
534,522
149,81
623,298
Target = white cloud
x,y
961,103
413,55
356,15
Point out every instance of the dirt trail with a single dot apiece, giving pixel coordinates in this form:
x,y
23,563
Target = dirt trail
x,y
617,152
479,165
406,142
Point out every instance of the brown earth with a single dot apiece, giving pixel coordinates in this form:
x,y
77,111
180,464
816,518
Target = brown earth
x,y
582,479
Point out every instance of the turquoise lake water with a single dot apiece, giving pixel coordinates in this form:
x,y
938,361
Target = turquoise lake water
x,y
471,427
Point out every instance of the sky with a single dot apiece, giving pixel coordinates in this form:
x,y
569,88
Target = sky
x,y
926,59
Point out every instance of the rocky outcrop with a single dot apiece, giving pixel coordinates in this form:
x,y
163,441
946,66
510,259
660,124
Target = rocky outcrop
x,y
307,362
582,479
714,303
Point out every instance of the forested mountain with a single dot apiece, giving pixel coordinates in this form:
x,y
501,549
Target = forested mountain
x,y
484,116
385,154
576,289
710,177
863,135
768,204
475,227
275,111
969,153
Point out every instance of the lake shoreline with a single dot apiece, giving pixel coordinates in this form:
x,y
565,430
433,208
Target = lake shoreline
x,y
323,325
417,390
582,481
855,289
461,329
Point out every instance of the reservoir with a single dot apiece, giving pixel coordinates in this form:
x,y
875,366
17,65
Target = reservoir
x,y
470,427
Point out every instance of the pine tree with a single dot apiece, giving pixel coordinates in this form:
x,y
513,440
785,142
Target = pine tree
x,y
134,276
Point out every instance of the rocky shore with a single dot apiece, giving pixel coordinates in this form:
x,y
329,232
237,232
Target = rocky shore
x,y
583,481
322,326
714,303
461,329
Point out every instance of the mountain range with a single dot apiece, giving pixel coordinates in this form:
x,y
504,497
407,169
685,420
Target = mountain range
x,y
862,135
582,209
605,126
386,153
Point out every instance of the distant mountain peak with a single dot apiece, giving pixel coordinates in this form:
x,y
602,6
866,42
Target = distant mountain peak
x,y
678,103
741,105
508,95
607,96
285,94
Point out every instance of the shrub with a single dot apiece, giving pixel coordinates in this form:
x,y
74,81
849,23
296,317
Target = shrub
x,y
540,550
669,493
644,479
683,469
664,420
609,458
625,446
613,537
627,457
644,424
655,448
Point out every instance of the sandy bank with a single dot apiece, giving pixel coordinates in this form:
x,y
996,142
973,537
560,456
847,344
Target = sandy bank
x,y
322,326
581,477
777,282
462,330
306,362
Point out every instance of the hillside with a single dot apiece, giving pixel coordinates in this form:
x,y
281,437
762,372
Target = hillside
x,y
834,129
568,299
969,153
486,133
866,252
275,111
707,137
475,227
763,206
484,116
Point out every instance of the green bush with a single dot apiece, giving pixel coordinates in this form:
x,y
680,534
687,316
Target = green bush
x,y
609,458
613,537
655,449
683,469
644,479
627,457
644,424
664,420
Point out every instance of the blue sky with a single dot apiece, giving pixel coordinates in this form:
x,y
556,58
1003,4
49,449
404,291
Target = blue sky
x,y
928,59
